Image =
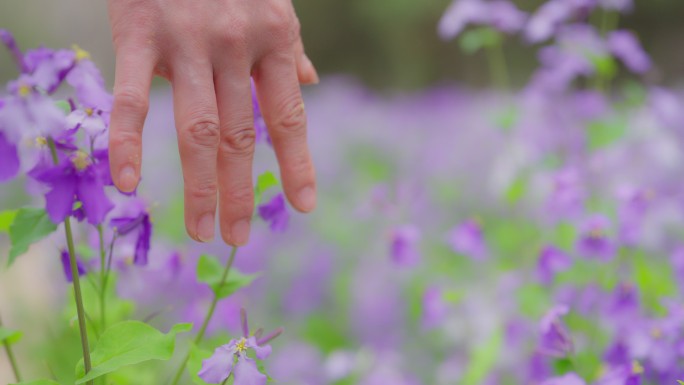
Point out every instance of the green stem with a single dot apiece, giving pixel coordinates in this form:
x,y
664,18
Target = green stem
x,y
497,65
12,360
103,280
78,296
208,317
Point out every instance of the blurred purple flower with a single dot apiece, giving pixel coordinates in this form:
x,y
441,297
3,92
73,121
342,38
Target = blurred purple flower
x,y
552,260
468,239
87,81
404,246
626,47
568,194
435,309
593,241
137,222
8,40
232,358
626,374
48,68
632,208
29,114
555,338
259,123
299,363
499,14
75,178
677,261
9,159
275,213
544,23
566,379
66,266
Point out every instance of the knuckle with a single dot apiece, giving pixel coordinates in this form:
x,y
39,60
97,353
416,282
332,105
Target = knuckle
x,y
203,189
242,197
233,33
130,98
300,165
280,22
203,132
291,117
124,139
239,141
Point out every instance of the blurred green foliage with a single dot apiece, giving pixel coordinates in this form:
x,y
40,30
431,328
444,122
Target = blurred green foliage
x,y
390,44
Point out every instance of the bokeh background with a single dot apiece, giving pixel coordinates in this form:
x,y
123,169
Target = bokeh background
x,y
422,263
389,44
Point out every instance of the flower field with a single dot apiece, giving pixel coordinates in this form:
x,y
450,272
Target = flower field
x,y
462,237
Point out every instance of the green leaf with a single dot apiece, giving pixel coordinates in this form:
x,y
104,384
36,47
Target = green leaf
x,y
265,181
197,355
9,336
516,191
680,382
604,133
64,106
38,382
129,343
655,281
483,359
6,220
210,271
475,39
30,225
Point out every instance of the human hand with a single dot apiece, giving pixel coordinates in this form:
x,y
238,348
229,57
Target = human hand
x,y
208,49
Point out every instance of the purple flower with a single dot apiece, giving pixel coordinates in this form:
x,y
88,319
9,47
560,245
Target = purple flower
x,y
677,261
555,338
627,374
90,87
28,114
76,178
9,159
626,47
66,266
593,241
468,239
137,223
568,194
566,379
8,40
435,308
47,68
404,246
552,260
545,22
275,213
259,123
499,14
232,359
632,209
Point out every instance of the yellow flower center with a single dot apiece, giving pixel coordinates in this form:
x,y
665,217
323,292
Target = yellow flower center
x,y
89,111
24,90
596,233
41,141
81,160
241,346
656,333
80,53
637,368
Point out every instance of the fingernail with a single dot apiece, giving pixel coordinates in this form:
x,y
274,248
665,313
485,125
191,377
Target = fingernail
x,y
307,198
127,179
312,69
239,233
205,228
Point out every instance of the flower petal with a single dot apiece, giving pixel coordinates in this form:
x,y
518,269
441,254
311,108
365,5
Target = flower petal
x,y
217,368
247,373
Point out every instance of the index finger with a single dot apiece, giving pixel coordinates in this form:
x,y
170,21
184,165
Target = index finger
x,y
134,71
